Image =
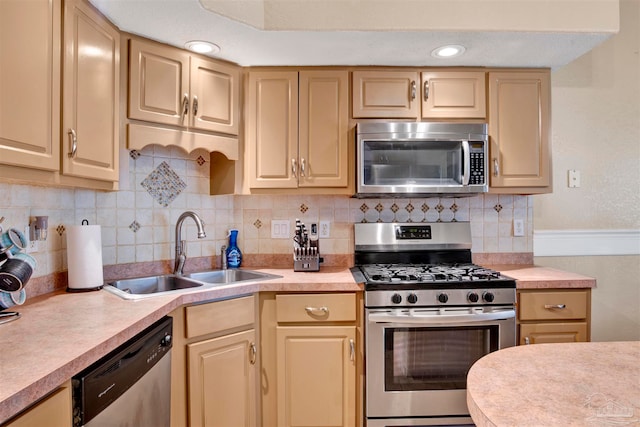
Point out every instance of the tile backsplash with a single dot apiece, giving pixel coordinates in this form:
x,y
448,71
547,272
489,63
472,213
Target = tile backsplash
x,y
138,221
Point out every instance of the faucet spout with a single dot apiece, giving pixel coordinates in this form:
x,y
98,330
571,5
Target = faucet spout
x,y
181,255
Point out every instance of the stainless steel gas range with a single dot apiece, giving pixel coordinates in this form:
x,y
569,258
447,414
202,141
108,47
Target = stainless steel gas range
x,y
430,314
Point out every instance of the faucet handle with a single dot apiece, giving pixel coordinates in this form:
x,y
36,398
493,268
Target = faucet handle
x,y
223,257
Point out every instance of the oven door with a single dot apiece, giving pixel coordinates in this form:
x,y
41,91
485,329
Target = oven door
x,y
417,360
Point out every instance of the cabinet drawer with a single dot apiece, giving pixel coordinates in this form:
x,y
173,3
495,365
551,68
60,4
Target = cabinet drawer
x,y
553,305
541,333
316,307
219,316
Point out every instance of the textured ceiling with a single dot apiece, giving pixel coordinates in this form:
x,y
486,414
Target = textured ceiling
x,y
177,21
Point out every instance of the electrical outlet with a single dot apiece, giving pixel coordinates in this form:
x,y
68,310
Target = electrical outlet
x,y
280,228
518,227
573,178
32,245
325,229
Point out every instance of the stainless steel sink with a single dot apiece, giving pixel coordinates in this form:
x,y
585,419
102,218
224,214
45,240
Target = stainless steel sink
x,y
141,287
229,276
145,287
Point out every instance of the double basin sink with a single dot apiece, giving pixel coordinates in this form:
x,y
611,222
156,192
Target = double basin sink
x,y
144,287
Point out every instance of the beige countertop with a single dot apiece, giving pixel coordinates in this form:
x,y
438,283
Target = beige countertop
x,y
59,334
573,384
536,277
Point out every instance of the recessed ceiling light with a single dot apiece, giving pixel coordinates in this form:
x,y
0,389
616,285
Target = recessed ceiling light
x,y
448,51
202,46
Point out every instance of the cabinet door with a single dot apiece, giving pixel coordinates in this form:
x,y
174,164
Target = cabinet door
x,y
158,83
453,95
215,92
54,411
222,381
323,136
385,94
91,85
316,376
519,107
272,129
540,333
30,83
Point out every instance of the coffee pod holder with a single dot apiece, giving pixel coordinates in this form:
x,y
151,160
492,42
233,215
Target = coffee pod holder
x,y
306,248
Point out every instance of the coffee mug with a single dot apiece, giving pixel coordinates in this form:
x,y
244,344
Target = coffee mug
x,y
12,241
16,272
9,299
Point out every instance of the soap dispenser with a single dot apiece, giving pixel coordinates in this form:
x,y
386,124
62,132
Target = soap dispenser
x,y
234,256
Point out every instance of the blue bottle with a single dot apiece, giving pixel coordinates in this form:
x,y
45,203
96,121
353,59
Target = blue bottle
x,y
234,256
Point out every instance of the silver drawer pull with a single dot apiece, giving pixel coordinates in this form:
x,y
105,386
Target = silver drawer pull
x,y
352,350
253,352
554,306
73,142
527,341
317,311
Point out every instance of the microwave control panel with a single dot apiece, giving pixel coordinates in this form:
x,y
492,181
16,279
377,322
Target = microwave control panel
x,y
476,152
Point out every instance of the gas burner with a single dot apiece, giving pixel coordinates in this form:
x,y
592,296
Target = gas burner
x,y
427,273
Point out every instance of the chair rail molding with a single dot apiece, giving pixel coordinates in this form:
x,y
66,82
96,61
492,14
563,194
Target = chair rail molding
x,y
586,242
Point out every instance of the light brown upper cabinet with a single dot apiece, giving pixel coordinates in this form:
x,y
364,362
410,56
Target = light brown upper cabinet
x,y
297,129
30,83
519,128
448,94
58,128
414,95
91,85
171,86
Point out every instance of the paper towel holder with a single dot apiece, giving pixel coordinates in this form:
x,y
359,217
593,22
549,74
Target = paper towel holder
x,y
77,289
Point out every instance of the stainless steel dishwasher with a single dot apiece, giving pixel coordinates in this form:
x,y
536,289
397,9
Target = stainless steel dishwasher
x,y
131,386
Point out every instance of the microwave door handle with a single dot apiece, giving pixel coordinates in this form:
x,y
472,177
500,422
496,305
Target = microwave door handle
x,y
466,174
441,319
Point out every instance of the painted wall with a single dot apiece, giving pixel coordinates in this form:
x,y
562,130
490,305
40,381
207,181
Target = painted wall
x,y
596,130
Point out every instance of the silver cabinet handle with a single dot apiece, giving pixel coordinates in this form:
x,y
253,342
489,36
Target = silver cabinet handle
x,y
352,350
194,105
496,167
185,106
302,167
73,142
413,90
294,168
253,353
526,341
318,311
555,306
426,90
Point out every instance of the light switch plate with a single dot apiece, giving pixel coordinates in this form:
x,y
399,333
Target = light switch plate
x,y
325,229
280,228
518,227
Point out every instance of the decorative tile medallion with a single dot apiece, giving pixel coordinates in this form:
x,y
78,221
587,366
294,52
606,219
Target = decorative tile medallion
x,y
395,208
454,207
163,184
379,207
497,207
409,208
303,208
424,208
200,160
134,154
364,207
439,207
60,230
134,226
257,223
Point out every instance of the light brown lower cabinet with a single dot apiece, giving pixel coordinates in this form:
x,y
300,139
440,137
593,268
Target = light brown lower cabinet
x,y
311,359
55,410
214,365
554,315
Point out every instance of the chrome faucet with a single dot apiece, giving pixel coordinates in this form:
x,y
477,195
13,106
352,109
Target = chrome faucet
x,y
181,255
223,257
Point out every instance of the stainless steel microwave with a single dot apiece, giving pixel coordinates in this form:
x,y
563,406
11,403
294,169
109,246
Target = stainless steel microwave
x,y
418,158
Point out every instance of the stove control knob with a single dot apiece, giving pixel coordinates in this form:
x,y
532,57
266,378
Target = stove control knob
x,y
412,298
396,299
488,297
472,297
443,298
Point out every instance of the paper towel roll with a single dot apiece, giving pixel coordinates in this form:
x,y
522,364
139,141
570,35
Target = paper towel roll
x,y
84,257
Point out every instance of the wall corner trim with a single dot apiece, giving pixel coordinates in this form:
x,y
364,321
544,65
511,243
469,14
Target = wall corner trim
x,y
586,242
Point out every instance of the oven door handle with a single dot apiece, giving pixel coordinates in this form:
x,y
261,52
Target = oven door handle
x,y
440,318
